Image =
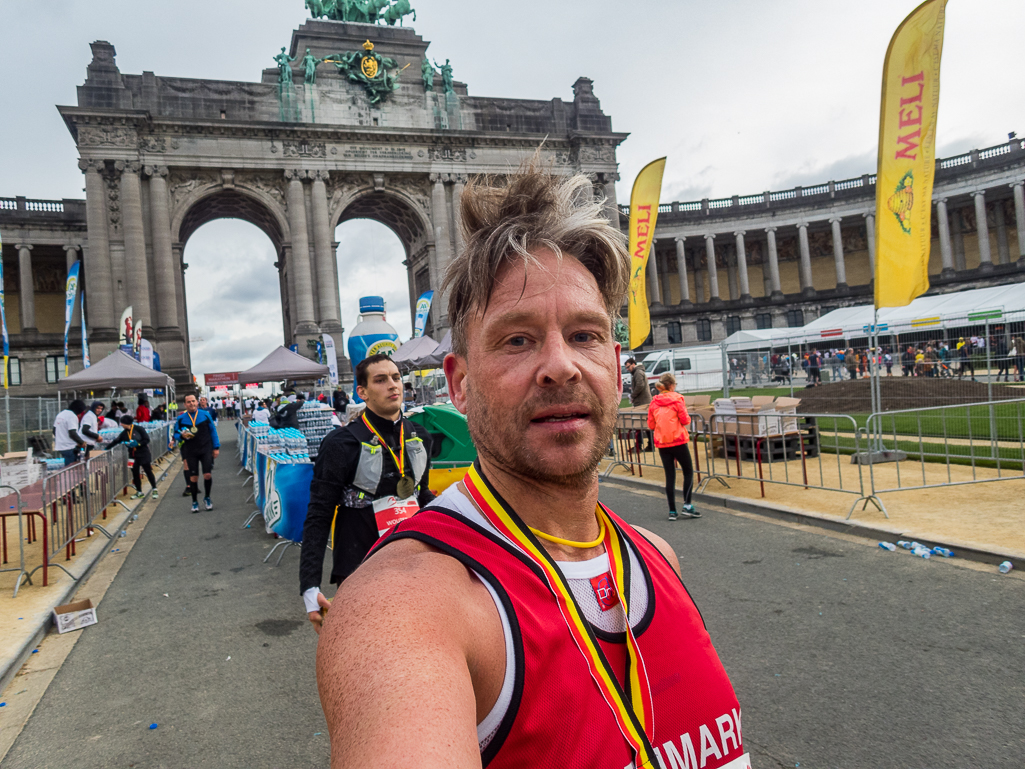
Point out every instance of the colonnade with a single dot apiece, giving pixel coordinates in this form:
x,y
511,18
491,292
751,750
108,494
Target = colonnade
x,y
740,239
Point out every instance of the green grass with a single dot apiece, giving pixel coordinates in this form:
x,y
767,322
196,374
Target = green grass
x,y
950,422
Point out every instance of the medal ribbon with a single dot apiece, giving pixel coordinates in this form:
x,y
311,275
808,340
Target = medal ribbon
x,y
400,460
632,708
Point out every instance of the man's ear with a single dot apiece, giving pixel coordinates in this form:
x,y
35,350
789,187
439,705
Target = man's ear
x,y
361,391
455,373
619,370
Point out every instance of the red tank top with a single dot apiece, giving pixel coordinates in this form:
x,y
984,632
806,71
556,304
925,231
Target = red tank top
x,y
558,717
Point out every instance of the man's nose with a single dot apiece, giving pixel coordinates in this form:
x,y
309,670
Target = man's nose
x,y
558,364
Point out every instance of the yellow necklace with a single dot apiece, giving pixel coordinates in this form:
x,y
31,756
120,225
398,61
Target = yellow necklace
x,y
570,542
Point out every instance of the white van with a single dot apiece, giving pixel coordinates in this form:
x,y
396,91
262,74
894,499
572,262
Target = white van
x,y
696,368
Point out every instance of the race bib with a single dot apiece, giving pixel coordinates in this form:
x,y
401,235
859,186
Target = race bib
x,y
389,511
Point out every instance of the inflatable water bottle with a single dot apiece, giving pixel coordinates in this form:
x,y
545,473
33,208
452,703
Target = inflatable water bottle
x,y
372,335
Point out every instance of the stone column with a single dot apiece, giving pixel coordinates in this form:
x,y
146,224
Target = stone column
x,y
957,240
982,230
327,283
841,266
807,286
28,289
97,261
654,289
163,255
713,270
299,266
136,270
777,287
72,254
442,247
1003,254
943,225
457,208
870,236
681,270
608,182
1019,219
745,286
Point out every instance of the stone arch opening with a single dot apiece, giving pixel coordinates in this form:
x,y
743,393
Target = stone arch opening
x,y
231,204
391,211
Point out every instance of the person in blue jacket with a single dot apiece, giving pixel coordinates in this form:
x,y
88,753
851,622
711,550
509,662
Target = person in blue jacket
x,y
196,433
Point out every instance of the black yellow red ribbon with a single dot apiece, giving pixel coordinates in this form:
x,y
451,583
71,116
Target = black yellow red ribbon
x,y
630,705
400,460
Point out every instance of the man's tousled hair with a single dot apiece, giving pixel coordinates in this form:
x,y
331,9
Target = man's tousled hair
x,y
362,376
506,221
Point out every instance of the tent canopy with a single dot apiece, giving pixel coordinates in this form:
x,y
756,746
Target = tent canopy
x,y
437,357
414,350
282,363
759,338
925,312
118,371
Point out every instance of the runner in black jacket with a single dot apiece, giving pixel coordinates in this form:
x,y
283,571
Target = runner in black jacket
x,y
137,441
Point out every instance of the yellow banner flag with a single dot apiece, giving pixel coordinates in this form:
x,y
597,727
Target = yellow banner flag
x,y
643,213
907,156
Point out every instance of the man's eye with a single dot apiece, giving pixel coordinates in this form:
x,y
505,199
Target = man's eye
x,y
518,341
583,336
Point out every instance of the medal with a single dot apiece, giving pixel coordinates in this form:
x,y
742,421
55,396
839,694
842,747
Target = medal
x,y
405,487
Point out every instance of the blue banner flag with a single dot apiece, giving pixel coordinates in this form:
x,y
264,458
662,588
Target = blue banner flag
x,y
70,294
3,315
85,335
423,309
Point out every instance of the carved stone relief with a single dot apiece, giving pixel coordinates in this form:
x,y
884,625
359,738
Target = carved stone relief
x,y
106,136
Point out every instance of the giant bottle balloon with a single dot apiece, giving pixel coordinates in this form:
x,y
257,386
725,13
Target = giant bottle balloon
x,y
372,335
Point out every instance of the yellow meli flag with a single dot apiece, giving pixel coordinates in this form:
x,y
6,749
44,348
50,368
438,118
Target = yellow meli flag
x,y
907,156
643,213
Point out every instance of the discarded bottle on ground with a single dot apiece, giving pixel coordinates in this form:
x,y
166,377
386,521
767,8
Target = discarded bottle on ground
x,y
1006,567
943,551
888,546
904,543
922,552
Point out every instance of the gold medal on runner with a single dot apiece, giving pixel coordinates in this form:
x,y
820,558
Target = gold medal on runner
x,y
405,488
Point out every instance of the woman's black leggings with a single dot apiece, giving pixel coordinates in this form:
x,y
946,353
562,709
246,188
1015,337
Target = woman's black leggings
x,y
670,456
137,469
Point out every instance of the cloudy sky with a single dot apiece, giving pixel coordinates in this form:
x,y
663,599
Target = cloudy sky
x,y
741,95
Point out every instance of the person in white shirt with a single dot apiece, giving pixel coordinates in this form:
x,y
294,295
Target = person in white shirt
x,y
90,427
66,440
261,414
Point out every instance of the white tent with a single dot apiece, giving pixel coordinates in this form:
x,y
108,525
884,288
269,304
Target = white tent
x,y
961,308
760,338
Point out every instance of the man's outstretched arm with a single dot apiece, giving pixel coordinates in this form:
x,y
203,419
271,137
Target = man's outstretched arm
x,y
394,663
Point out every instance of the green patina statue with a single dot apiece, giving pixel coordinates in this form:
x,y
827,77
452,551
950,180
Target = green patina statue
x,y
427,72
362,11
309,65
284,62
371,70
446,76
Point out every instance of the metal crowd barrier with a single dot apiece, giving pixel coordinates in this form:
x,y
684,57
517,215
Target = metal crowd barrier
x,y
770,442
633,444
21,536
977,436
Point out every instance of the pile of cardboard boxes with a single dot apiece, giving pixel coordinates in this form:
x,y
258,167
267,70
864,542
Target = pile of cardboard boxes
x,y
759,416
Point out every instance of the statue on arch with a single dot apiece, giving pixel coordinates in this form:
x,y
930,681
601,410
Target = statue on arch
x,y
309,65
397,11
284,62
427,73
446,75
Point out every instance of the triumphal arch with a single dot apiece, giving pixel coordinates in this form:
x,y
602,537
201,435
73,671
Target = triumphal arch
x,y
354,120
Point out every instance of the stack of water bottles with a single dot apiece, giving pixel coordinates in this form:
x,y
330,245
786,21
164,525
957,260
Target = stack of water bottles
x,y
315,423
53,465
287,446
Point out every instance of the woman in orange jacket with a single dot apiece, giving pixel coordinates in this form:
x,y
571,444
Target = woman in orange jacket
x,y
668,418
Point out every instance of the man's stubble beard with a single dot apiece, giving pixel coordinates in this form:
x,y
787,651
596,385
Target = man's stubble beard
x,y
502,438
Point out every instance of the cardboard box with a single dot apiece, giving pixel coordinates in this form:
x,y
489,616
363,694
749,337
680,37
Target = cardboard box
x,y
762,400
775,418
701,418
74,616
698,401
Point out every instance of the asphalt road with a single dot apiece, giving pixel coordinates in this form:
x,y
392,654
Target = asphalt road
x,y
842,655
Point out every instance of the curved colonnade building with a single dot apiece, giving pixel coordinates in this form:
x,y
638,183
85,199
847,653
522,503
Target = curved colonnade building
x,y
781,259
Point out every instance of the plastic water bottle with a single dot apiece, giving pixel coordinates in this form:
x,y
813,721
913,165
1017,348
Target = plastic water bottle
x,y
905,544
922,552
1005,567
888,546
943,551
915,545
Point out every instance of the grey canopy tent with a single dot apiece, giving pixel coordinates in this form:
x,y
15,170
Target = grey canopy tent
x,y
282,363
437,357
118,371
413,351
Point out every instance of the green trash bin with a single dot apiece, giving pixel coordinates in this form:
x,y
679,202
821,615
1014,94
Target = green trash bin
x,y
824,373
452,444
